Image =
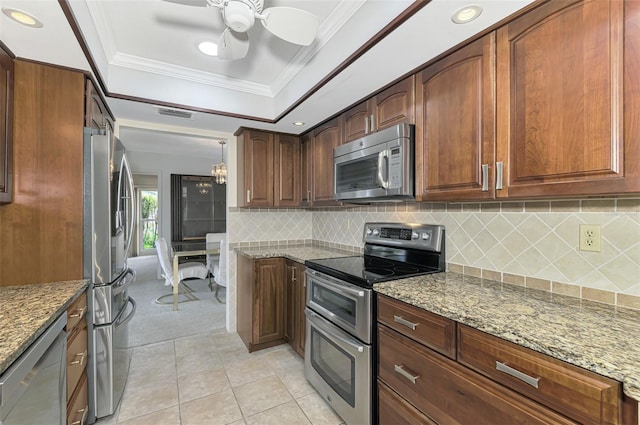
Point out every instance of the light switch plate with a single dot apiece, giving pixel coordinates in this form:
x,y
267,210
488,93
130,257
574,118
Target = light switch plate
x,y
590,237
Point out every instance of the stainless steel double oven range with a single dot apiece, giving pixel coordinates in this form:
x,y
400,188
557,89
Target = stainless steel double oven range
x,y
340,347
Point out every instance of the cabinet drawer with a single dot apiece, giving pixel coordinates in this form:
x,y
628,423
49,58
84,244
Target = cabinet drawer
x,y
436,332
78,406
450,393
570,390
76,312
394,410
76,358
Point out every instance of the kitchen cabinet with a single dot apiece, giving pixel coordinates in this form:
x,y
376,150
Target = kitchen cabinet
x,y
567,100
47,167
306,169
552,96
455,130
269,169
434,370
6,126
394,105
326,137
287,181
97,115
255,185
261,299
295,320
77,351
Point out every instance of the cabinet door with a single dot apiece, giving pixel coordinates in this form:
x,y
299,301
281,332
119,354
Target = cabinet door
x,y
455,135
561,109
300,281
356,122
268,301
6,126
290,324
95,111
325,139
394,105
258,169
287,171
306,165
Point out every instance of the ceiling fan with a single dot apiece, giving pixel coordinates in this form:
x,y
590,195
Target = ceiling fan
x,y
290,24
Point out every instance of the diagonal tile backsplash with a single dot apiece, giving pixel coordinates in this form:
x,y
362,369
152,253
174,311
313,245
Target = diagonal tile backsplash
x,y
529,243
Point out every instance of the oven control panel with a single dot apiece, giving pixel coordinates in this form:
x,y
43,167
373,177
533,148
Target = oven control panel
x,y
419,236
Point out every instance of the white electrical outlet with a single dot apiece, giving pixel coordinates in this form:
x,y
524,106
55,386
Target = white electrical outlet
x,y
590,237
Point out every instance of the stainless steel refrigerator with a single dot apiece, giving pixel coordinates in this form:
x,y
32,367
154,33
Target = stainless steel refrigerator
x,y
109,214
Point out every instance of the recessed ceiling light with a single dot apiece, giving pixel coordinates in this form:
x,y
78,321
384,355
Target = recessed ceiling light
x,y
209,48
466,14
298,123
22,17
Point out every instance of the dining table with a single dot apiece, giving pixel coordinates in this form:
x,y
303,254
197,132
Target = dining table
x,y
188,249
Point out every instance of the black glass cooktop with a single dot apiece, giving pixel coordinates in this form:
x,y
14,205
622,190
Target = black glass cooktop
x,y
365,270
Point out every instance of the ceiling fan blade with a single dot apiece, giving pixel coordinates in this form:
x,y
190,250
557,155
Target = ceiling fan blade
x,y
233,45
293,25
197,3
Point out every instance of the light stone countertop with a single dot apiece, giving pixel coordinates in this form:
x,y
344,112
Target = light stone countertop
x,y
597,337
26,312
299,253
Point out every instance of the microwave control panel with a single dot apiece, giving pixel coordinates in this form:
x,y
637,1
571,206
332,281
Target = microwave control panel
x,y
395,168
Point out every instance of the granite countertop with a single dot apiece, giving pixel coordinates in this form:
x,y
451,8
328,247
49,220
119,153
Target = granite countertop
x,y
26,312
299,253
597,337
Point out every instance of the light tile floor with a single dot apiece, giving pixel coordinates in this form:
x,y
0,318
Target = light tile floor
x,y
211,378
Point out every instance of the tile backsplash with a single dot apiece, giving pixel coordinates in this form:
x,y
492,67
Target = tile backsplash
x,y
531,244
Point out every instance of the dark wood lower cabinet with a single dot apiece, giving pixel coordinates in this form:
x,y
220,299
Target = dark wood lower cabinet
x,y
261,299
271,299
448,392
295,320
448,373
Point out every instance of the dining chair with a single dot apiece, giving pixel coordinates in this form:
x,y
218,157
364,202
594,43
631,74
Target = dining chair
x,y
213,259
185,271
220,271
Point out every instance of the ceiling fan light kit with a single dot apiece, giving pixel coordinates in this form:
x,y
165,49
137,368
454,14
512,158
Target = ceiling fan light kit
x,y
296,26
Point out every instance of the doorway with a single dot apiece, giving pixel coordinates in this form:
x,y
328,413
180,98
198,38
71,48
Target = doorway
x,y
147,224
147,220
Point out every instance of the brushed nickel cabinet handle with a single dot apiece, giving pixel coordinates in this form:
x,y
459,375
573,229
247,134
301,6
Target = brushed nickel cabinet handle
x,y
79,313
85,412
499,174
502,367
400,369
366,125
373,123
82,357
405,322
485,177
248,195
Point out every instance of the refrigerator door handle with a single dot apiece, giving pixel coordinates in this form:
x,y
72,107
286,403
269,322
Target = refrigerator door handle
x,y
129,316
132,205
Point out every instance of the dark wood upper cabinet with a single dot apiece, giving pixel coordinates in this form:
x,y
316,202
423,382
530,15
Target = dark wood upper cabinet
x,y
287,171
391,106
255,188
567,96
306,169
325,138
6,127
455,129
97,115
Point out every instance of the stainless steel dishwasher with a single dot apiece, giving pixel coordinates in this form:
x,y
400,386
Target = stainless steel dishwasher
x,y
33,388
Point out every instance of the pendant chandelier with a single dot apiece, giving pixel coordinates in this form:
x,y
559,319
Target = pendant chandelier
x,y
219,171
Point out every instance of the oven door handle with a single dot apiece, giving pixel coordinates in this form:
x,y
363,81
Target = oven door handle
x,y
336,286
311,315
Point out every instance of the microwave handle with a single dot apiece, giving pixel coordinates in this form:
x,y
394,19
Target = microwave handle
x,y
383,168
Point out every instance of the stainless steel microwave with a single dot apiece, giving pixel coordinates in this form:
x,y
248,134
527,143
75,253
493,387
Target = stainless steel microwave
x,y
376,168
